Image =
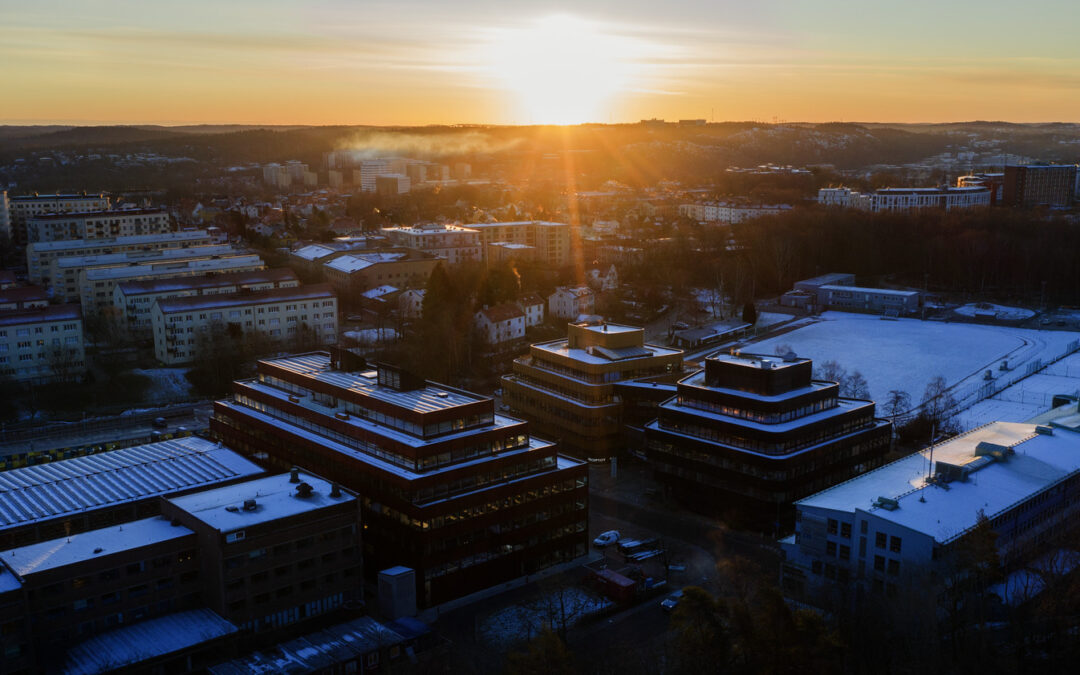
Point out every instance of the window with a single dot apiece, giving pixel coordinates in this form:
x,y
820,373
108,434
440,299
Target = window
x,y
832,526
879,563
845,530
879,540
894,567
862,527
894,544
830,548
845,553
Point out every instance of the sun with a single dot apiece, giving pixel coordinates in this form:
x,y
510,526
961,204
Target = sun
x,y
561,69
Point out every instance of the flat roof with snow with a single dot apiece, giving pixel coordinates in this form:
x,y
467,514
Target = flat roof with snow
x,y
165,268
269,296
863,289
132,240
998,478
354,262
152,638
138,257
47,555
274,497
147,286
57,489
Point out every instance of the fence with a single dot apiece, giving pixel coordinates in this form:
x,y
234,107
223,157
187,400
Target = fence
x,y
97,423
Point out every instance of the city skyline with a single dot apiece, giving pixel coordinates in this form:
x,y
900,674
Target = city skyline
x,y
523,63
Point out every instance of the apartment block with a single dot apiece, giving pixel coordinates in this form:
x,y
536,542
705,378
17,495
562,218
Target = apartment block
x,y
461,495
98,284
1051,185
22,208
133,300
551,240
565,387
353,273
40,254
98,224
454,243
286,316
42,344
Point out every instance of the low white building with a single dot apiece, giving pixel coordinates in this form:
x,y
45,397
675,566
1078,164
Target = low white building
x,y
501,324
411,303
906,199
729,213
288,316
532,305
570,302
887,528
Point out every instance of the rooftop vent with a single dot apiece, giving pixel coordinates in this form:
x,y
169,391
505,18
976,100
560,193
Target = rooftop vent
x,y
790,357
304,490
887,503
249,504
232,508
335,490
341,415
98,549
1044,430
294,475
442,394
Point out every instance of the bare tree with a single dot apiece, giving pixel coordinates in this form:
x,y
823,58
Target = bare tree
x,y
938,405
855,386
832,372
897,402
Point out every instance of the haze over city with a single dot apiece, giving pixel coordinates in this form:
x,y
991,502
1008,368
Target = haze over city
x,y
416,62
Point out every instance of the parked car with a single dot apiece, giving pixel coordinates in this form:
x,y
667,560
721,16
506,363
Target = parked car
x,y
160,423
669,603
606,539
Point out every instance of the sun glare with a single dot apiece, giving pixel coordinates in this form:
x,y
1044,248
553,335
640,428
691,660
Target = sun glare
x,y
561,69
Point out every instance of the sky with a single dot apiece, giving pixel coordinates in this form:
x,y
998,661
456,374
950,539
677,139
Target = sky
x,y
417,62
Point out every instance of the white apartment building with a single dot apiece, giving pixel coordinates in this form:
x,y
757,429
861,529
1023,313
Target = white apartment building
x,y
98,284
411,303
43,344
284,315
551,240
533,307
368,170
40,254
501,324
570,302
887,528
730,214
390,184
98,224
455,243
24,207
64,272
906,199
133,300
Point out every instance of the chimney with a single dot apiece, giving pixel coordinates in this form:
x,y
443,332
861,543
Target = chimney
x,y
294,475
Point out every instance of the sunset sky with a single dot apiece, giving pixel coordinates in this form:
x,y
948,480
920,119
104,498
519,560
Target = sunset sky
x,y
414,62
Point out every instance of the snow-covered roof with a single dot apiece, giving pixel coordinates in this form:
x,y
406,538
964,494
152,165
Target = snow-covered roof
x,y
128,645
273,295
48,555
132,240
314,252
354,262
175,267
41,314
316,652
137,257
945,511
44,491
863,289
431,397
561,348
379,291
275,498
502,312
146,286
8,580
542,223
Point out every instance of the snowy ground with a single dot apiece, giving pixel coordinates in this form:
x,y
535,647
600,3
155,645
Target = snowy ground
x,y
906,354
168,385
522,622
370,336
1031,396
1001,312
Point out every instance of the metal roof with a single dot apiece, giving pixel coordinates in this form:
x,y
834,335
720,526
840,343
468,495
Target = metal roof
x,y
45,491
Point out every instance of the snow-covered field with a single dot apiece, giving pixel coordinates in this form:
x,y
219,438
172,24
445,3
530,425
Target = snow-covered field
x,y
906,354
169,385
523,622
1000,312
1031,396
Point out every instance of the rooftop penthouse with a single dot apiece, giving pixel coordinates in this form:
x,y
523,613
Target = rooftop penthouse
x,y
433,463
